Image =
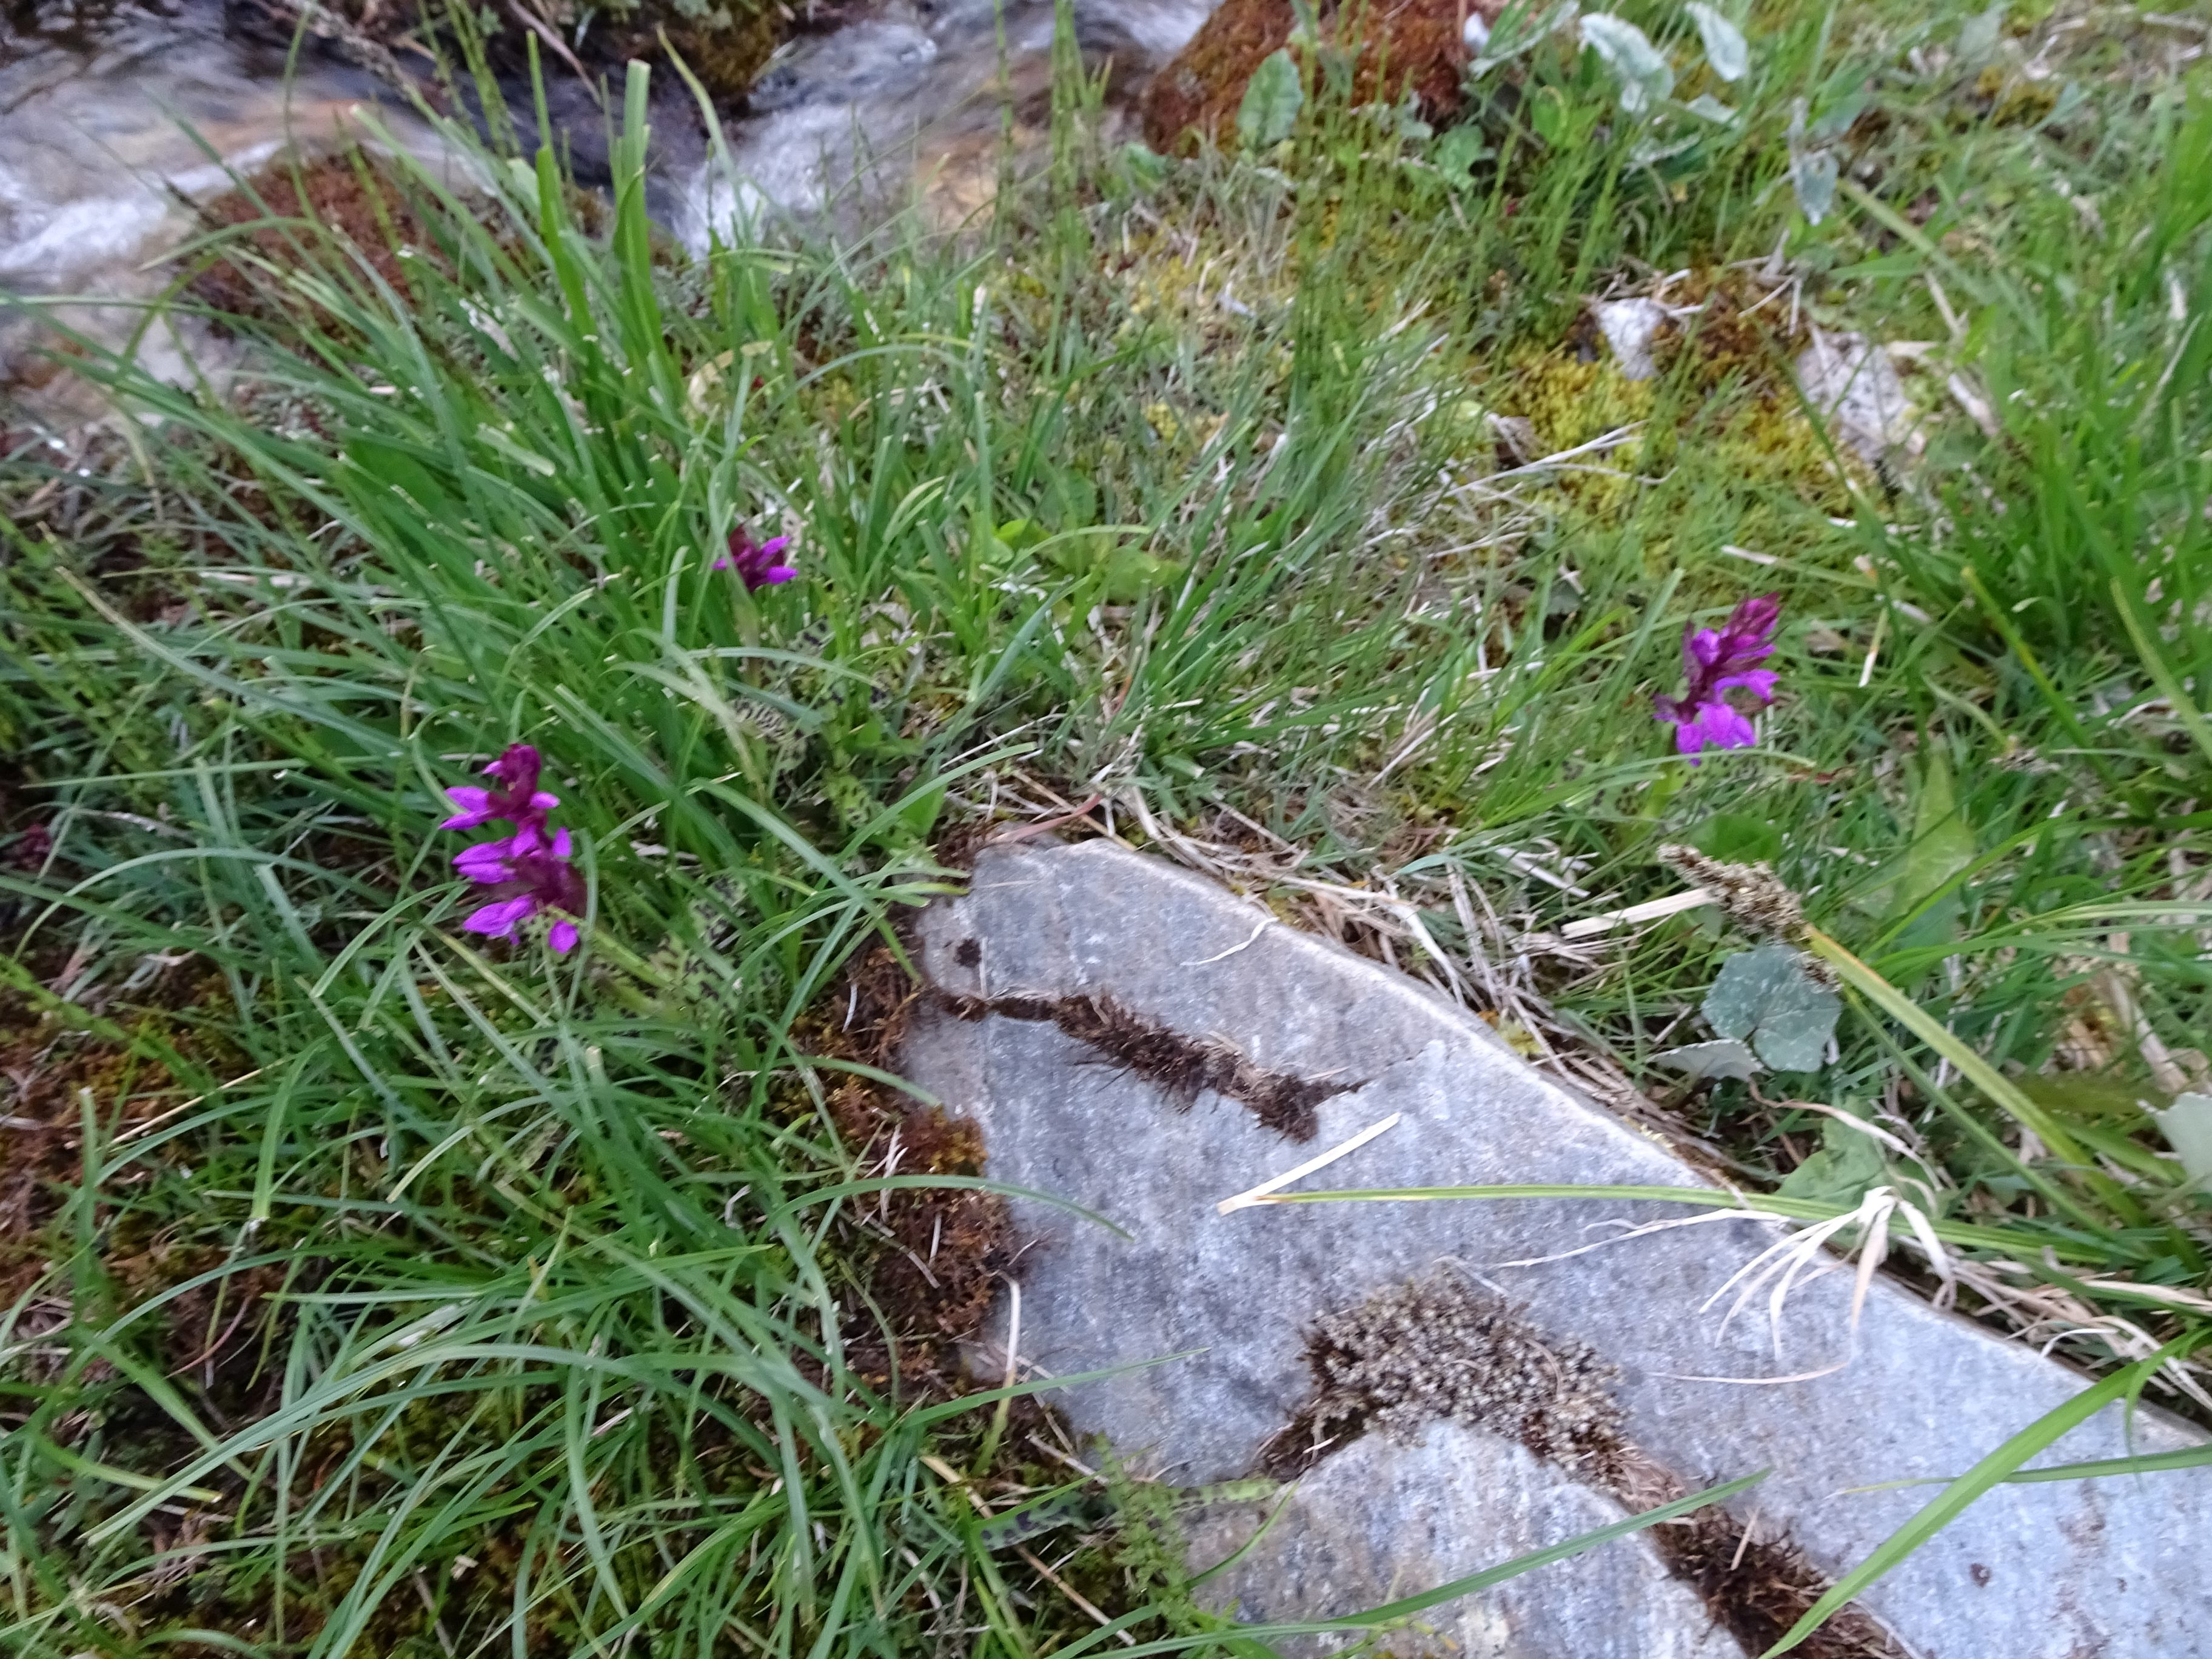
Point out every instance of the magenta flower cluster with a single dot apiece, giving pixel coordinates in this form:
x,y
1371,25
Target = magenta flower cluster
x,y
526,871
758,564
1718,662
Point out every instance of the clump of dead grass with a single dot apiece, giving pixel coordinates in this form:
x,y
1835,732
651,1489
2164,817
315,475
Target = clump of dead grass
x,y
1183,1067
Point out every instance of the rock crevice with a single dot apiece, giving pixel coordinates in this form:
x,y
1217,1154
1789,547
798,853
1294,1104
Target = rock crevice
x,y
1181,1067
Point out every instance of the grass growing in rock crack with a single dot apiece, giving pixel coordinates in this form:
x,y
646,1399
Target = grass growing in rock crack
x,y
377,1288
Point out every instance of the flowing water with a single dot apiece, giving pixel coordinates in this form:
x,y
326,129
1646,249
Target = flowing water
x,y
116,119
114,123
920,93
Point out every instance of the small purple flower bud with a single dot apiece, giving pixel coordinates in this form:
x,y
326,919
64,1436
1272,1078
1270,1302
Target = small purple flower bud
x,y
519,801
758,564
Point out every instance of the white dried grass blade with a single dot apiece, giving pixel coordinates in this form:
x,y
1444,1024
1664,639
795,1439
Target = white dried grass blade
x,y
1266,922
1258,1194
1642,1230
1758,1382
1939,1259
1873,1250
1649,911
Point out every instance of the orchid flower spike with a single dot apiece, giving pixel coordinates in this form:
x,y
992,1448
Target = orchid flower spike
x,y
758,564
1717,662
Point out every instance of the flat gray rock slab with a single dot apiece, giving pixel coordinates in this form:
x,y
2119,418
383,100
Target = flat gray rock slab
x,y
1378,1520
2111,1568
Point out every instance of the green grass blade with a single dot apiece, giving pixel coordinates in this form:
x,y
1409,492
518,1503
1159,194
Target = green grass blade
x,y
1955,1499
2001,1090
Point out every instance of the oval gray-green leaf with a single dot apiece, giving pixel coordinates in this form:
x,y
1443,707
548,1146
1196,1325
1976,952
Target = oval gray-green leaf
x,y
1645,77
1697,1061
1766,997
1273,99
1726,49
2187,1127
1813,176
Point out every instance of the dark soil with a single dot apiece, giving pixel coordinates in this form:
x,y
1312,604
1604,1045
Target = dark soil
x,y
53,1057
929,1259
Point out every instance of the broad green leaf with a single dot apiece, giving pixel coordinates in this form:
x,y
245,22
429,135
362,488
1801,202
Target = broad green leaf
x,y
1738,837
1124,574
1143,165
1942,845
1847,1163
2187,1127
1766,996
1842,98
1979,35
1131,574
1273,99
1725,47
1458,150
1549,116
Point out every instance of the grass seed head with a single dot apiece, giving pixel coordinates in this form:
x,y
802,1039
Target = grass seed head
x,y
1753,896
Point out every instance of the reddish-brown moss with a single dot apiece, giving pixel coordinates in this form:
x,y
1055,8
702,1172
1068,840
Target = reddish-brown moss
x,y
338,212
724,44
1396,45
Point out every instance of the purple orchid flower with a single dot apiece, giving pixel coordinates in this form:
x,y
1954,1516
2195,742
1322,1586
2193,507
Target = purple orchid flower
x,y
758,564
526,872
1715,662
519,801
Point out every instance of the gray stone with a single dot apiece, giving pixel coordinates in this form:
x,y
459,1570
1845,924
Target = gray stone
x,y
1629,327
1381,1521
1853,385
1378,1520
2057,1570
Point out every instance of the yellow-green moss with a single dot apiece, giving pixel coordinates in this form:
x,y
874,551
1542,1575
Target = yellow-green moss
x,y
1569,402
726,47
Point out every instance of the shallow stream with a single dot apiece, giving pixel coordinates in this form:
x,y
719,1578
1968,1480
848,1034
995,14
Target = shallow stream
x,y
116,120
